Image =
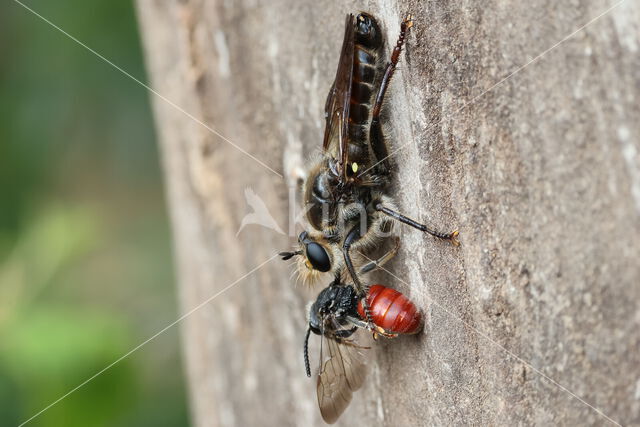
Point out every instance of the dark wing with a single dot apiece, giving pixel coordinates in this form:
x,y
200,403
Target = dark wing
x,y
340,375
336,109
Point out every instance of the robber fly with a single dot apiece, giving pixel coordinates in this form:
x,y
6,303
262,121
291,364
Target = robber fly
x,y
336,316
347,192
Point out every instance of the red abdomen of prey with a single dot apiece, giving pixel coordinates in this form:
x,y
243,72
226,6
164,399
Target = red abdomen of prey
x,y
392,311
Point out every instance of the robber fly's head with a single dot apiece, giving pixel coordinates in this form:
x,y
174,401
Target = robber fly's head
x,y
312,258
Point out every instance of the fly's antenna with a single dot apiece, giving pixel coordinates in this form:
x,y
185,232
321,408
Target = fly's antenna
x,y
306,353
288,255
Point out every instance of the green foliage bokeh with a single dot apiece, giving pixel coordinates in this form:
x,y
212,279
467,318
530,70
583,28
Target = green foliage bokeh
x,y
85,260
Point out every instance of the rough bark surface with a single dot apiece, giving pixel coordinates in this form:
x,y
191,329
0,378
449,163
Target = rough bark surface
x,y
533,320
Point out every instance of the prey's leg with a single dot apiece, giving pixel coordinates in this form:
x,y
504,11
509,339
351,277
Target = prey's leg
x,y
377,330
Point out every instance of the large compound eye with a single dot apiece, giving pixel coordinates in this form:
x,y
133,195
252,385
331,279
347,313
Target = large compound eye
x,y
318,257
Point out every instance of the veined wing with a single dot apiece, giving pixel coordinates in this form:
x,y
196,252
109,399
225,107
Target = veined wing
x,y
340,375
338,101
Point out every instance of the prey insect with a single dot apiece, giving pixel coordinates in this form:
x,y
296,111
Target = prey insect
x,y
347,192
336,315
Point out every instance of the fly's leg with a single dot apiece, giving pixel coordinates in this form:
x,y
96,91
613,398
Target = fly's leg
x,y
352,237
406,220
376,138
391,66
372,265
361,289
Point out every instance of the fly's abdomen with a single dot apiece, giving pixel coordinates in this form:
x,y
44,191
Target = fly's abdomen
x,y
367,57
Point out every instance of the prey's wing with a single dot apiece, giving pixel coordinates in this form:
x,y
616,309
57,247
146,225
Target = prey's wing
x,y
336,109
340,375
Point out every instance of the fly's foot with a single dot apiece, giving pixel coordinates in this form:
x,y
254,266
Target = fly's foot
x,y
408,21
453,237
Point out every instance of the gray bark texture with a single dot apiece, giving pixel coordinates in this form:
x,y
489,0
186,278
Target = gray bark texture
x,y
534,319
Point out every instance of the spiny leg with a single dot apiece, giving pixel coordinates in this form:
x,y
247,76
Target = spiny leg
x,y
406,220
361,289
352,237
376,137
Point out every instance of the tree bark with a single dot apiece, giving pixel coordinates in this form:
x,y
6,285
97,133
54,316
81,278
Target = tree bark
x,y
534,319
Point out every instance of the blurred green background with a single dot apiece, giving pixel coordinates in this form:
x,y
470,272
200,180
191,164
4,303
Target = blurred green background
x,y
85,260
